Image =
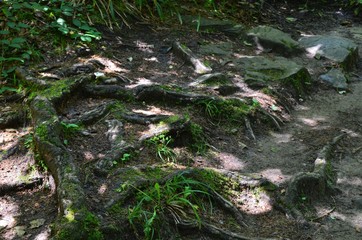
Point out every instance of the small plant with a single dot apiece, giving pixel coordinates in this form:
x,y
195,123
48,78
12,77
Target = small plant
x,y
126,157
211,108
198,144
69,129
179,196
28,141
163,151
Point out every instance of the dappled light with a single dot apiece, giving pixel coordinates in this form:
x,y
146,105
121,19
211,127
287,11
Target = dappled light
x,y
110,65
314,51
254,201
275,176
228,161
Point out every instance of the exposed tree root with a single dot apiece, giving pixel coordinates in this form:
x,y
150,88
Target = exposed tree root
x,y
108,91
143,119
312,185
20,186
12,118
93,115
188,56
157,93
70,193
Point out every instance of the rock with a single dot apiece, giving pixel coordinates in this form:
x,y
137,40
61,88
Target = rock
x,y
212,79
214,25
3,224
222,49
338,49
226,90
187,55
335,78
262,71
357,202
356,33
20,230
266,37
37,223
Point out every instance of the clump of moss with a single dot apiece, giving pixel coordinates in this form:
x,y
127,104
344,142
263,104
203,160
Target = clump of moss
x,y
88,227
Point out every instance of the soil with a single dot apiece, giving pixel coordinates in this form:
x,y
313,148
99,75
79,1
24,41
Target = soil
x,y
132,57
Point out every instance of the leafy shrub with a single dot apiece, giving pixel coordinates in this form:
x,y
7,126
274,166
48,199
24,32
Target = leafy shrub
x,y
23,23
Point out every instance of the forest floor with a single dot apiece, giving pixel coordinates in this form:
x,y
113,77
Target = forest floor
x,y
28,197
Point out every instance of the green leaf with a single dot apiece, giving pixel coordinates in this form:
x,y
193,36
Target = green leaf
x,y
18,40
4,32
23,25
77,22
9,89
85,38
61,21
11,25
5,41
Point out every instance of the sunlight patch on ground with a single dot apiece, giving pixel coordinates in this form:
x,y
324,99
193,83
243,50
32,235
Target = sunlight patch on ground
x,y
282,138
355,220
152,110
354,181
144,47
102,189
8,212
154,130
110,65
351,133
254,201
275,176
88,156
230,162
313,122
139,82
151,59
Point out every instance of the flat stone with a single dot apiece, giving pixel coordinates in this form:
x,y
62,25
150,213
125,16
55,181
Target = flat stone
x,y
212,79
338,49
222,49
266,37
356,33
265,71
214,25
335,78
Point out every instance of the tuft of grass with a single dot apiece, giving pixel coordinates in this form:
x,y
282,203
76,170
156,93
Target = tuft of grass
x,y
179,197
163,151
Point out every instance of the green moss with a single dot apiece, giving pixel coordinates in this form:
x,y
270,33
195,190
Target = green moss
x,y
41,131
87,227
57,89
198,144
230,110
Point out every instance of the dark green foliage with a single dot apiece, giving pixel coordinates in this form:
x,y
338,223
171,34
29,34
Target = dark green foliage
x,y
25,23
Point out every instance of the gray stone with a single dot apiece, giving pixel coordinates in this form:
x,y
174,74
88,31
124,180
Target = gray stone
x,y
266,37
265,71
335,78
222,49
214,25
356,33
338,49
213,79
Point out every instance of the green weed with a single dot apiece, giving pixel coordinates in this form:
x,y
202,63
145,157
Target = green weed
x,y
179,197
163,151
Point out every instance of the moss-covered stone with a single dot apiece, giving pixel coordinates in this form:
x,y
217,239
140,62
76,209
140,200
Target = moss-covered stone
x,y
265,71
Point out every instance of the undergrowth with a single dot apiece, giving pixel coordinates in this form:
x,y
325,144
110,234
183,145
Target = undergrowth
x,y
180,197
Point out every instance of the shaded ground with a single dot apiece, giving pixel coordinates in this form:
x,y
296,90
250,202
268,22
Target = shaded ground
x,y
98,149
